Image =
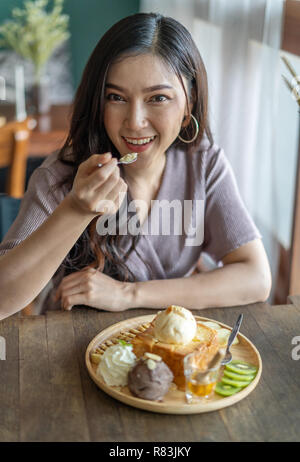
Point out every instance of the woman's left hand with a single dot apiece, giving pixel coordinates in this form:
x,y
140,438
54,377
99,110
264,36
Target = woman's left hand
x,y
93,288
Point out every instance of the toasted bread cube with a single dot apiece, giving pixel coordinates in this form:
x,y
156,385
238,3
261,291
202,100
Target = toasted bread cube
x,y
205,346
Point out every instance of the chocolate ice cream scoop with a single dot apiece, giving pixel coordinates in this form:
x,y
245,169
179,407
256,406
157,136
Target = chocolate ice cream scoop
x,y
150,379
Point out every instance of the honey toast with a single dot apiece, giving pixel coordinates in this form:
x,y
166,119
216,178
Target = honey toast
x,y
204,344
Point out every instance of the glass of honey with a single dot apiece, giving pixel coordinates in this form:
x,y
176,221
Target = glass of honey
x,y
199,382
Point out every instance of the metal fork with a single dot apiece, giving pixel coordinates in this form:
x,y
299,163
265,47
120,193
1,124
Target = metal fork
x,y
228,356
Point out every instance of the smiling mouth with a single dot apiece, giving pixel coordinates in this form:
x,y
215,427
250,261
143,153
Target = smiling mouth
x,y
139,141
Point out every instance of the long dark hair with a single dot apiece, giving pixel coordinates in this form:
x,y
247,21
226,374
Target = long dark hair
x,y
134,35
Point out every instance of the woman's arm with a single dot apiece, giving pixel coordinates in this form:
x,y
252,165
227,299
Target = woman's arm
x,y
27,268
244,278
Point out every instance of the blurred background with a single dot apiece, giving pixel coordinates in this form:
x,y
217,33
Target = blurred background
x,y
251,50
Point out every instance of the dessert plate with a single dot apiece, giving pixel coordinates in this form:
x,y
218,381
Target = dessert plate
x,y
174,401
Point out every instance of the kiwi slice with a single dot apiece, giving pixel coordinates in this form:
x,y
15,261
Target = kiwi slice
x,y
224,389
241,367
234,383
244,378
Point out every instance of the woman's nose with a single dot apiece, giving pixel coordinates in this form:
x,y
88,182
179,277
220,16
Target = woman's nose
x,y
136,117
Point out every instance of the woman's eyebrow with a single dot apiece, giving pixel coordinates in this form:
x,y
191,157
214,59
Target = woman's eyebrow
x,y
145,90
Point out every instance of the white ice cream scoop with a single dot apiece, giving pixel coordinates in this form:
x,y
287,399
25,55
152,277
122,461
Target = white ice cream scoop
x,y
175,325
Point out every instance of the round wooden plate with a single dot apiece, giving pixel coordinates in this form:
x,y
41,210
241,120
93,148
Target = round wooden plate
x,y
174,401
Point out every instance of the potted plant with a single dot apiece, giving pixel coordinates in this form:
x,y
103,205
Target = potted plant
x,y
34,33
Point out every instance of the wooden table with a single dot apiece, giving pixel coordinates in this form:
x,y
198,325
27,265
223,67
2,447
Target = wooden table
x,y
51,129
46,393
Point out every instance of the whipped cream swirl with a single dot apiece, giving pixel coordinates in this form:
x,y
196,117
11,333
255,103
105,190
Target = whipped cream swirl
x,y
115,364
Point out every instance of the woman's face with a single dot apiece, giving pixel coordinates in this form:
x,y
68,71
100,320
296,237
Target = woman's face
x,y
144,106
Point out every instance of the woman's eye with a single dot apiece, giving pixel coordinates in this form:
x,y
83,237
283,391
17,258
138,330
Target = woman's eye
x,y
114,97
159,98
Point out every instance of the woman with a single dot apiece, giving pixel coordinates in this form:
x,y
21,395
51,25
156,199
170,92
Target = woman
x,y
144,90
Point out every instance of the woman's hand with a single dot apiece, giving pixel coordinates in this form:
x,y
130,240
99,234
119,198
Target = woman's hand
x,y
93,288
98,190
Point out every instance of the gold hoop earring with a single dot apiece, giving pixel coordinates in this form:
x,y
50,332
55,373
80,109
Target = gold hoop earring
x,y
196,131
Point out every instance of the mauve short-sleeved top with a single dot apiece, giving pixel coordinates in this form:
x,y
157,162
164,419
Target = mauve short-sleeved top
x,y
204,177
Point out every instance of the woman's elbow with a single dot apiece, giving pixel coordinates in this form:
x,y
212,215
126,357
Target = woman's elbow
x,y
264,285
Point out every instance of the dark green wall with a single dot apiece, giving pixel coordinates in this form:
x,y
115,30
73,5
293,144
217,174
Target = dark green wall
x,y
89,20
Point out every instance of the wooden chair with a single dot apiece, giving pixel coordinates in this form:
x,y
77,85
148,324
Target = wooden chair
x,y
14,139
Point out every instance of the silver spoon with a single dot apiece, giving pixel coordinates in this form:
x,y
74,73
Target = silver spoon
x,y
228,356
127,159
214,363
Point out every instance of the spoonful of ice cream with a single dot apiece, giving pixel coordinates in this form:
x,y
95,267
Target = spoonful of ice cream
x,y
127,159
